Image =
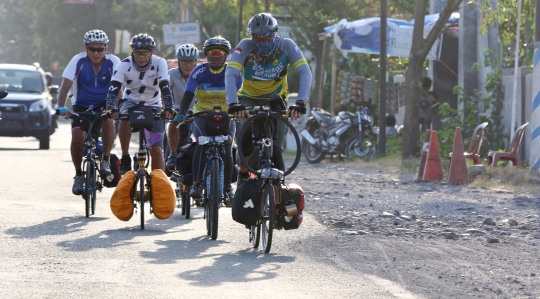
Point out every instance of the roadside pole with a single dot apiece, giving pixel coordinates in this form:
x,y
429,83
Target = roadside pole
x,y
534,157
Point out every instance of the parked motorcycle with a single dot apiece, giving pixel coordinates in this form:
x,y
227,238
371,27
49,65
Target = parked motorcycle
x,y
348,134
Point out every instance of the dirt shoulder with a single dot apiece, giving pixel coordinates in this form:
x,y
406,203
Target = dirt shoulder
x,y
438,240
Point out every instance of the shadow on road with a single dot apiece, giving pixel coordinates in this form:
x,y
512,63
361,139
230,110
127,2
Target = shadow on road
x,y
62,226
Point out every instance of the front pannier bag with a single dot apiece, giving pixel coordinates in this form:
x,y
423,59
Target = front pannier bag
x,y
121,200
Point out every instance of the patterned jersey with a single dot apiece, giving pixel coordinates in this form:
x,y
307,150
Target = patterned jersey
x,y
265,76
90,88
142,86
209,88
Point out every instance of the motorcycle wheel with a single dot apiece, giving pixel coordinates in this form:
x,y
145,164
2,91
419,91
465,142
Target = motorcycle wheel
x,y
355,148
313,154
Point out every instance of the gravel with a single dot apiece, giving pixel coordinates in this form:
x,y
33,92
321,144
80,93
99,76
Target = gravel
x,y
437,239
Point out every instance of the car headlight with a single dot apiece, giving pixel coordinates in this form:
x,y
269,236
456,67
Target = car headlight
x,y
38,105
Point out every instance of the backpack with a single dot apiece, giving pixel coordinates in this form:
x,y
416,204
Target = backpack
x,y
163,196
292,196
246,203
121,200
112,179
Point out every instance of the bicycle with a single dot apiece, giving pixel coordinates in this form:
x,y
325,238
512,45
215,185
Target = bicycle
x,y
263,122
182,174
140,118
213,176
91,171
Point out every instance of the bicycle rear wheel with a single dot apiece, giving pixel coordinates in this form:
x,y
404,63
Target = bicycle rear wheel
x,y
268,216
255,234
186,202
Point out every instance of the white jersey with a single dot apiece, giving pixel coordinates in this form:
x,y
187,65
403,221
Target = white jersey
x,y
142,86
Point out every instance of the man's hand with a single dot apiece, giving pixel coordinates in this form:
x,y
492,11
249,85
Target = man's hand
x,y
169,113
239,111
113,114
61,110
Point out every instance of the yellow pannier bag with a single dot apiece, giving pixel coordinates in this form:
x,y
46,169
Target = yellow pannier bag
x,y
163,196
121,203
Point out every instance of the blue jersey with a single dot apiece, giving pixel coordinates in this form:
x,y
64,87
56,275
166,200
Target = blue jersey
x,y
90,88
209,87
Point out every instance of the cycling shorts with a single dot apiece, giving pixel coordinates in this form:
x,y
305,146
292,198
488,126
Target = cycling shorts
x,y
81,123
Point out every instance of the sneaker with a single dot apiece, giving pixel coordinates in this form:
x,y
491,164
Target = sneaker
x,y
229,195
125,164
171,162
105,168
196,191
78,185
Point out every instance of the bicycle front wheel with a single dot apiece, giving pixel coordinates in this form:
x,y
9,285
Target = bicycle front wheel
x,y
186,201
255,234
88,185
141,198
215,198
268,216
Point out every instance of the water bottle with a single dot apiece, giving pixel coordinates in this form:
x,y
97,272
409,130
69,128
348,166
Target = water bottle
x,y
99,148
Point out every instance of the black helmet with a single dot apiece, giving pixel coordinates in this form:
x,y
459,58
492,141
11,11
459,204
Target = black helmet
x,y
95,36
142,40
262,23
217,42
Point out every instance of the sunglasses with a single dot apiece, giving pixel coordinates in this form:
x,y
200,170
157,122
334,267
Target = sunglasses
x,y
258,38
216,53
99,50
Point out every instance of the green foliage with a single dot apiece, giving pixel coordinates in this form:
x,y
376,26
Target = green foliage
x,y
475,112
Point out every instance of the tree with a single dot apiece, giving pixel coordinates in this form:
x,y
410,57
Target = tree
x,y
420,48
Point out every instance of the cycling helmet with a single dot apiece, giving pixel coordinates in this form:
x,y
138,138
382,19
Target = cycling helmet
x,y
142,40
187,52
95,36
217,42
262,23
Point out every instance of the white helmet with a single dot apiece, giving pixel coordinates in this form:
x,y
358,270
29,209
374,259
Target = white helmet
x,y
187,52
96,36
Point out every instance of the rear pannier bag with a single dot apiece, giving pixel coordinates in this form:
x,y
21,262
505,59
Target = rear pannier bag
x,y
163,196
121,200
246,203
292,195
184,159
112,179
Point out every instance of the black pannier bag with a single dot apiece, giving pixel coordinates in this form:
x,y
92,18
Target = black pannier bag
x,y
217,122
141,117
112,179
246,204
184,159
293,201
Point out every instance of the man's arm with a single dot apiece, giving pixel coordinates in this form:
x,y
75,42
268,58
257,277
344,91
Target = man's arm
x,y
65,86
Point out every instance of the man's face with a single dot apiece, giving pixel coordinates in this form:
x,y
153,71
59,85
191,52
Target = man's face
x,y
96,52
142,56
186,66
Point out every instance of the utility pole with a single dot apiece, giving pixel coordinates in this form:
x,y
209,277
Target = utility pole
x,y
381,148
239,21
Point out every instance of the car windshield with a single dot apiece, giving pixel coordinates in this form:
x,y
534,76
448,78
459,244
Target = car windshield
x,y
21,81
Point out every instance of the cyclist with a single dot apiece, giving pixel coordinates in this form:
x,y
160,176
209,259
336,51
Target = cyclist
x,y
263,60
207,82
145,78
88,74
187,60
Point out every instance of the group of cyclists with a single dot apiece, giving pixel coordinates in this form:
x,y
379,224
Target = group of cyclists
x,y
256,71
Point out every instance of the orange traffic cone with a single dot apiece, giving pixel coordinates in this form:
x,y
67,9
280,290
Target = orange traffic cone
x,y
425,148
433,169
457,171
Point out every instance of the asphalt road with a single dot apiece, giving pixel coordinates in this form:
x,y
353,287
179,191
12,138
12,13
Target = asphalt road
x,y
49,249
